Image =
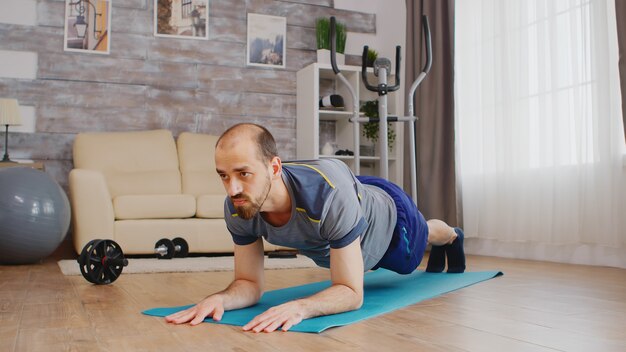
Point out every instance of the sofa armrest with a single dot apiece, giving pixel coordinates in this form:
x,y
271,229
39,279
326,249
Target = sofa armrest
x,y
92,208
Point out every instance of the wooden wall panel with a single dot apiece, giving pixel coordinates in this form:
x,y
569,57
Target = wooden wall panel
x,y
149,82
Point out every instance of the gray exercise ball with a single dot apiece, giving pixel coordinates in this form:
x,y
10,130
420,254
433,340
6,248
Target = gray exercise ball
x,y
34,215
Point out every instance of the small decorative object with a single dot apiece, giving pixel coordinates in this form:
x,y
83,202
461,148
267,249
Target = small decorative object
x,y
322,31
327,149
266,40
331,101
370,129
347,152
9,116
87,26
188,19
371,57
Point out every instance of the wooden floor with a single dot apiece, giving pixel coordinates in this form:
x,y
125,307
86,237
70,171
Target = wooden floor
x,y
535,306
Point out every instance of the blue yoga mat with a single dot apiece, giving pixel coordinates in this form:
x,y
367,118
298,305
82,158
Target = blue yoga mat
x,y
385,291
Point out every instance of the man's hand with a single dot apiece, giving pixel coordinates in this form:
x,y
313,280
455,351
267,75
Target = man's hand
x,y
285,315
211,306
244,291
345,294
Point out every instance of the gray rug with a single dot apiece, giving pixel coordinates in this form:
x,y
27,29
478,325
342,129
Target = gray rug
x,y
192,264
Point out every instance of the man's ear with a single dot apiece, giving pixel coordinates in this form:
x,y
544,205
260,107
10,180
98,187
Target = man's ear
x,y
277,166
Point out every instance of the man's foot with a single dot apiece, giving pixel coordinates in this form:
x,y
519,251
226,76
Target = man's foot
x,y
436,259
455,253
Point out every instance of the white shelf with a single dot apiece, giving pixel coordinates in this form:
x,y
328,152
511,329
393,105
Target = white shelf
x,y
317,80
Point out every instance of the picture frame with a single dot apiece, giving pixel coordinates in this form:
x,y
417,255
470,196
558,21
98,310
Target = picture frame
x,y
266,45
87,26
185,19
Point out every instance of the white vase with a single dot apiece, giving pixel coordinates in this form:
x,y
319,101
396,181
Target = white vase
x,y
323,57
327,149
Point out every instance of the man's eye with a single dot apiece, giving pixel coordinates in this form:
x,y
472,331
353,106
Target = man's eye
x,y
245,174
223,176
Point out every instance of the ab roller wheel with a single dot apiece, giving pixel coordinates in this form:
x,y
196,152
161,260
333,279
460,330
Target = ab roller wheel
x,y
101,261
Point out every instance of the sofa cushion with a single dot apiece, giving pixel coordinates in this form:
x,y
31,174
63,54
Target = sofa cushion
x,y
210,206
196,153
143,162
164,206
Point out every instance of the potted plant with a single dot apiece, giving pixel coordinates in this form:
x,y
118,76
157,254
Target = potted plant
x,y
322,31
370,129
371,57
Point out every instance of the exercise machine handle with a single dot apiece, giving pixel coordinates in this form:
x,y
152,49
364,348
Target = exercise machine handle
x,y
364,70
381,89
397,85
333,45
429,49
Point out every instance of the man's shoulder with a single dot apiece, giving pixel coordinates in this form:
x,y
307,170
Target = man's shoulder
x,y
331,171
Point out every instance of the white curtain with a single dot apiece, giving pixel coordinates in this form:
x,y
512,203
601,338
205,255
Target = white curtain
x,y
540,144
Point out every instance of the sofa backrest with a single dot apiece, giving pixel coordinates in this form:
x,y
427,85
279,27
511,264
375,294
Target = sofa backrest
x,y
142,162
196,153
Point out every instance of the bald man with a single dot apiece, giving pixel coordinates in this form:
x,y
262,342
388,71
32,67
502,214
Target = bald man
x,y
349,224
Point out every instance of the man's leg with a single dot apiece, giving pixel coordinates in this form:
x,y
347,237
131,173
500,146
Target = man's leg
x,y
440,233
445,241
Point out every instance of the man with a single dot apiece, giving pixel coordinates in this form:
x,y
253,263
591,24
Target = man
x,y
342,222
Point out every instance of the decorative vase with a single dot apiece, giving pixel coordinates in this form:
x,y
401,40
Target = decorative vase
x,y
323,57
327,149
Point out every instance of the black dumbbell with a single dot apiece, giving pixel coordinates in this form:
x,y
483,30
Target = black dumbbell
x,y
101,261
168,249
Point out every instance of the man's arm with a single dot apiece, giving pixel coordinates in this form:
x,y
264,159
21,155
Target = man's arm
x,y
245,290
345,294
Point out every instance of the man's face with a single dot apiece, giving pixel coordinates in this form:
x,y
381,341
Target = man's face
x,y
246,178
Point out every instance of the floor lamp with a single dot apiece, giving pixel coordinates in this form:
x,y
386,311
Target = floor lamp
x,y
9,116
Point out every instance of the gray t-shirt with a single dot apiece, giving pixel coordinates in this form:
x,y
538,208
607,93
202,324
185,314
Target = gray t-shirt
x,y
330,209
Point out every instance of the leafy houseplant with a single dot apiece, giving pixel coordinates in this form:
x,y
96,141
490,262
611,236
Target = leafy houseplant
x,y
371,57
370,129
322,30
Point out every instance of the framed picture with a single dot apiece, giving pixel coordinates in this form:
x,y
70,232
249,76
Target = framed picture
x,y
187,19
266,40
88,26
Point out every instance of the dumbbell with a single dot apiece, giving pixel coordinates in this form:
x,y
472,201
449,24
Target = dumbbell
x,y
168,249
101,261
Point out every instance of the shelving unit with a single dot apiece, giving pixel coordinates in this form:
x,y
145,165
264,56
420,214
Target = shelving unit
x,y
317,126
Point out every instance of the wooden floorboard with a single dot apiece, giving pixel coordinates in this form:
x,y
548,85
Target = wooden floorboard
x,y
535,306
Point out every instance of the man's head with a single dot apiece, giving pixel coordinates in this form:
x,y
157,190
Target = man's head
x,y
247,162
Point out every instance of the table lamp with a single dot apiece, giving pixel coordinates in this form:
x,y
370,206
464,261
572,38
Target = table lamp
x,y
9,116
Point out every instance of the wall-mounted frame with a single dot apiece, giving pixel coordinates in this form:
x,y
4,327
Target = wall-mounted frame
x,y
266,40
188,19
87,26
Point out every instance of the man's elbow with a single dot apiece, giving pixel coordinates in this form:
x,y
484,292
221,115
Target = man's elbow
x,y
358,300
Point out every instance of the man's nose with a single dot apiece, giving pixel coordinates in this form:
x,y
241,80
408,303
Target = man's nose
x,y
234,187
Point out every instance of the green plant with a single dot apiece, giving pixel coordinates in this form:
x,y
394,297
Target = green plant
x,y
370,129
371,57
322,31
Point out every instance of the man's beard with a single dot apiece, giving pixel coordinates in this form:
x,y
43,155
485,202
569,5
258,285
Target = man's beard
x,y
249,210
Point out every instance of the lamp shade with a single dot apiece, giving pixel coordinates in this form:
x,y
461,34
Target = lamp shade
x,y
10,112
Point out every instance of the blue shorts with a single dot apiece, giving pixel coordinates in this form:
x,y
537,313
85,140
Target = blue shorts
x,y
410,236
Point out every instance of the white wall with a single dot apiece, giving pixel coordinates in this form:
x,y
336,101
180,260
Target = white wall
x,y
390,26
390,31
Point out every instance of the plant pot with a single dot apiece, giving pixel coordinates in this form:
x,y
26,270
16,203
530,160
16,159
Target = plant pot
x,y
323,57
367,150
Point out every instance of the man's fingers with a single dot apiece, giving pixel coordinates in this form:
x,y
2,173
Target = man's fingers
x,y
273,326
194,315
273,319
182,316
218,312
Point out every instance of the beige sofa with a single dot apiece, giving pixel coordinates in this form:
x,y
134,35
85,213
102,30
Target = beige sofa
x,y
138,187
